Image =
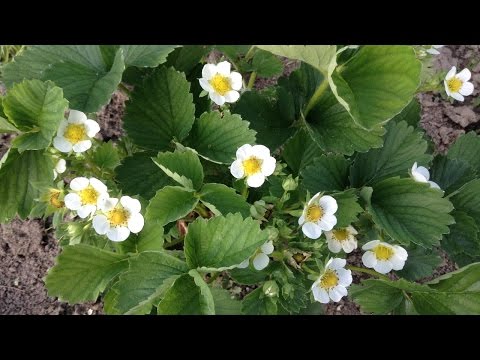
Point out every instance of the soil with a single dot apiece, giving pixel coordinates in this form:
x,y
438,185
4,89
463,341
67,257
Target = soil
x,y
27,249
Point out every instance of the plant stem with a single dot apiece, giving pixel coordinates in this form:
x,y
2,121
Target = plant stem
x,y
316,96
173,243
251,81
249,53
367,271
307,269
202,211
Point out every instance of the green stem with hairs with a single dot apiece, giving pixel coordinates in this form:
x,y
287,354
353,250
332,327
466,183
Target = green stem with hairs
x,y
367,271
316,96
251,81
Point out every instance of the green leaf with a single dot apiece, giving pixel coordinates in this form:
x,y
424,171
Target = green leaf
x,y
410,114
86,78
187,57
248,276
375,297
225,304
451,174
82,272
150,274
7,127
466,148
150,238
410,211
326,173
377,83
222,242
160,111
170,204
270,114
106,156
319,56
464,237
138,175
266,64
256,303
348,207
333,129
36,108
402,147
467,199
146,55
222,200
18,176
189,295
218,137
420,264
299,151
183,167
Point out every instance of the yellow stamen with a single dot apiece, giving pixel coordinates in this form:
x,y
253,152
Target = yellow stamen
x,y
221,84
314,213
341,234
252,166
54,201
329,279
454,84
75,133
383,252
88,196
118,217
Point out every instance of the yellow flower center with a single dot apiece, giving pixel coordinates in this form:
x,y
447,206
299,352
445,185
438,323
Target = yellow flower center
x,y
329,279
314,213
383,252
88,196
220,84
341,234
75,133
54,195
454,84
252,166
118,217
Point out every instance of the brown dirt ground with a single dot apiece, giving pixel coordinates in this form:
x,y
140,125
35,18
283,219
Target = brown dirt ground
x,y
27,249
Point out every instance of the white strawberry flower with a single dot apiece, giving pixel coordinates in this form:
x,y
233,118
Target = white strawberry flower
x,y
421,174
383,257
119,218
318,215
342,238
457,85
333,283
433,50
60,168
221,84
260,259
86,197
75,133
254,163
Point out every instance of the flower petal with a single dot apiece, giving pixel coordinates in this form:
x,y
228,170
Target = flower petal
x,y
334,245
369,259
72,201
352,230
217,98
209,71
61,166
100,224
315,198
256,180
232,96
383,267
261,151
267,248
457,96
301,220
98,185
320,295
341,290
466,89
344,277
205,85
130,204
82,146
223,68
236,169
337,263
61,128
447,89
86,210
61,144
370,245
464,75
451,73
400,252
349,245
328,204
92,128
244,264
136,223
397,262
423,171
235,80
76,117
334,294
108,204
244,152
260,261
434,185
311,230
79,183
120,233
268,166
327,222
